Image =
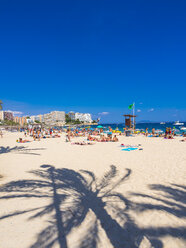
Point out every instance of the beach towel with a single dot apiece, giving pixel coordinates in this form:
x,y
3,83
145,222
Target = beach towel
x,y
23,141
129,149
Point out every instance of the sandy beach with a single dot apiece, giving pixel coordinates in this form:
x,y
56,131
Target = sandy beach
x,y
55,194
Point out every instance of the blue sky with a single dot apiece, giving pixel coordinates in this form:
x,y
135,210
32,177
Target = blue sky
x,y
94,56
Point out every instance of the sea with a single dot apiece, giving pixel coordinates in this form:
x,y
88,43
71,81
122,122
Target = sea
x,y
143,126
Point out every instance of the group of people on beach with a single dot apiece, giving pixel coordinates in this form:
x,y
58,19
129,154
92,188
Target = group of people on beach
x,y
103,138
91,134
95,135
38,133
169,133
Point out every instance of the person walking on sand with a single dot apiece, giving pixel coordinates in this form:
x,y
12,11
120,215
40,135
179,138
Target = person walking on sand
x,y
146,131
68,135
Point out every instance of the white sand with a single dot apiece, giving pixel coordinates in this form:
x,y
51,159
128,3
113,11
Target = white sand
x,y
155,191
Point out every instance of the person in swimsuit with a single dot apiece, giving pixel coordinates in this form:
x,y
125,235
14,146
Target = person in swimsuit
x,y
115,139
146,131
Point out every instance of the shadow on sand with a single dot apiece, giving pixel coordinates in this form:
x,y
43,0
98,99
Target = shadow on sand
x,y
170,199
19,149
74,195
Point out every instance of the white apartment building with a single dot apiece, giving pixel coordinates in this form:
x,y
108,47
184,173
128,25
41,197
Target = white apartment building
x,y
34,118
29,121
83,117
71,115
6,115
54,117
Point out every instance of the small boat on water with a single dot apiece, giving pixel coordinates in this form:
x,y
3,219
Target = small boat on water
x,y
162,123
177,123
183,128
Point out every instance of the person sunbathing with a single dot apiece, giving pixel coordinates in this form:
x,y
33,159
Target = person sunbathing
x,y
20,140
82,143
103,139
115,139
56,136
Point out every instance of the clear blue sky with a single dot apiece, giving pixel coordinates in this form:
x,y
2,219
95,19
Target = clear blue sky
x,y
94,56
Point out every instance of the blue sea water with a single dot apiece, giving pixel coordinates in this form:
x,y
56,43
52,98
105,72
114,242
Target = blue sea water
x,y
143,126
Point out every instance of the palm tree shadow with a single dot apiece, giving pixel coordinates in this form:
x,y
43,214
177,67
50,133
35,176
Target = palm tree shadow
x,y
73,195
19,149
45,187
170,199
87,193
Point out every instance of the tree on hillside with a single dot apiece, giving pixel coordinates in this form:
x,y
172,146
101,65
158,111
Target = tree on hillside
x,y
67,118
10,123
77,121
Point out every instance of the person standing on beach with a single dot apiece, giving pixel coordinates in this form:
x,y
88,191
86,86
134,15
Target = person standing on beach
x,y
1,133
146,131
39,135
68,135
153,131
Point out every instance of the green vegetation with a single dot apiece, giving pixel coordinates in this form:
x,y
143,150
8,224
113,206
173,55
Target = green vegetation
x,y
9,123
77,121
36,121
67,119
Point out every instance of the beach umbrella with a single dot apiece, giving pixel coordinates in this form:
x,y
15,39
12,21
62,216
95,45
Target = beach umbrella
x,y
99,127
